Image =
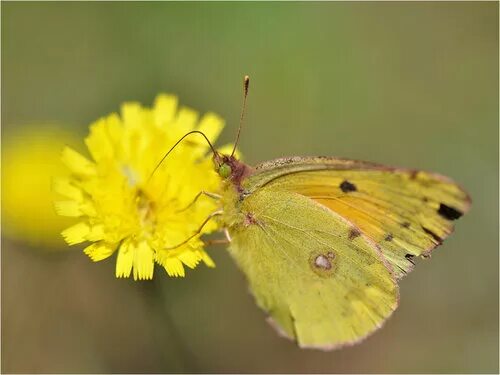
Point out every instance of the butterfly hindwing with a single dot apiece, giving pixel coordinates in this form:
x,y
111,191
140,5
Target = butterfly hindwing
x,y
406,213
321,281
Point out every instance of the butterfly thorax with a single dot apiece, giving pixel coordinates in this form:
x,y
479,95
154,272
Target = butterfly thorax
x,y
233,173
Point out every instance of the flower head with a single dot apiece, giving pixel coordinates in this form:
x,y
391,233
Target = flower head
x,y
124,207
30,156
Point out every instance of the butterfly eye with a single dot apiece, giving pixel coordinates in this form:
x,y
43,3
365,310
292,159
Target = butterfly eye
x,y
225,170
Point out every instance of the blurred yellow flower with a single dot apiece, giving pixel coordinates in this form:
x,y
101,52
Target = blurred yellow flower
x,y
123,207
31,155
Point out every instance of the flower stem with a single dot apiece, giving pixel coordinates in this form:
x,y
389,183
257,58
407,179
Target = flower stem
x,y
175,356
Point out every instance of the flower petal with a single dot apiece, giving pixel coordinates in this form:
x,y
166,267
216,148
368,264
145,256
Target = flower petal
x,y
68,208
211,125
76,234
131,114
65,188
96,233
174,267
189,258
185,121
143,262
124,261
76,209
206,259
165,108
77,163
99,251
98,141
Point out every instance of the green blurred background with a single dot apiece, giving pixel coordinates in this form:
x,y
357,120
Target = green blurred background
x,y
409,84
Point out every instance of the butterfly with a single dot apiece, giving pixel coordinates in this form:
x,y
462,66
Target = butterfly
x,y
323,241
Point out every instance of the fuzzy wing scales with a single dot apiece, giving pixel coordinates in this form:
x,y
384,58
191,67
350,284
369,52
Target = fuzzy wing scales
x,y
322,285
406,213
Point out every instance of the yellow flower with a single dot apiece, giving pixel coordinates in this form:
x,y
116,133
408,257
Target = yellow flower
x,y
30,157
125,208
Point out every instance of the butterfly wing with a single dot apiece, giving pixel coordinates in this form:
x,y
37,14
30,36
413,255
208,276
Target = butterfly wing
x,y
321,281
407,213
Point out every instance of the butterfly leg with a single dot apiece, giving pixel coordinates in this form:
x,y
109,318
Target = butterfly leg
x,y
219,241
212,215
206,193
228,236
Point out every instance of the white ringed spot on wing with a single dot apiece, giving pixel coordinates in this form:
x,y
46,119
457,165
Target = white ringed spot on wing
x,y
323,262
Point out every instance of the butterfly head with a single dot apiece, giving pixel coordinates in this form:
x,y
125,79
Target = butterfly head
x,y
231,169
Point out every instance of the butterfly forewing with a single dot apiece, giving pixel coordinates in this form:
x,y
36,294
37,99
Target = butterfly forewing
x,y
406,213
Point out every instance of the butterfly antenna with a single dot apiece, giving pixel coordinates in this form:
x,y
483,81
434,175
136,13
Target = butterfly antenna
x,y
246,82
175,145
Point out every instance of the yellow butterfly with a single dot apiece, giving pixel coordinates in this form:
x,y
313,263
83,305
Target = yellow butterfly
x,y
323,241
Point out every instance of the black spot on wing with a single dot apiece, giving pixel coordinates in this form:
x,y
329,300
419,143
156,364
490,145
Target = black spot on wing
x,y
347,187
405,224
389,237
436,238
353,233
448,212
410,258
